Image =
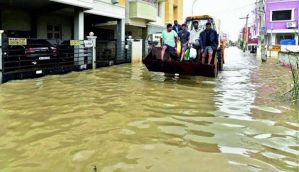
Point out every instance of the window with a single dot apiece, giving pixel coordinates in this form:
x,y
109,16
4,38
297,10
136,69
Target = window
x,y
54,31
282,15
175,12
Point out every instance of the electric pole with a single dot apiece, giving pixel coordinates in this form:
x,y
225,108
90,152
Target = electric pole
x,y
261,12
246,32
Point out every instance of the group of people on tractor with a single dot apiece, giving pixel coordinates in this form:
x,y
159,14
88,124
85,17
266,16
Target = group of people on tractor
x,y
194,44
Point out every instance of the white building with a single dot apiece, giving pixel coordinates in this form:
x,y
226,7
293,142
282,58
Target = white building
x,y
59,20
144,17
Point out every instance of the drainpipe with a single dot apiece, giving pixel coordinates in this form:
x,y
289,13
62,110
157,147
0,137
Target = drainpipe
x,y
1,58
93,38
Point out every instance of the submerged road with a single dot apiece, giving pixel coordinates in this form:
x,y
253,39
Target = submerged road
x,y
127,119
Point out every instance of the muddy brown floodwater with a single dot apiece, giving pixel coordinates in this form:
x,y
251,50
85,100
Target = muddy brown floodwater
x,y
126,119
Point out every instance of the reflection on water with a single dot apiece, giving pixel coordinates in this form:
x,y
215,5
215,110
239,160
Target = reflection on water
x,y
125,118
234,91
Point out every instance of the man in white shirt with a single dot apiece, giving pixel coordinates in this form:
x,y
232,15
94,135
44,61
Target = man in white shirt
x,y
194,36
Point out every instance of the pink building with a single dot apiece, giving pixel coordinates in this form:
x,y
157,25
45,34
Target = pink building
x,y
282,22
252,40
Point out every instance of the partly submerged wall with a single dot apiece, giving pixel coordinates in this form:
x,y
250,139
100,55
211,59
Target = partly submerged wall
x,y
287,59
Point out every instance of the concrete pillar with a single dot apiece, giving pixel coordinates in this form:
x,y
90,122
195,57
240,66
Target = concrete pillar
x,y
94,55
145,32
1,19
137,51
296,38
79,35
273,39
79,24
1,58
33,25
120,45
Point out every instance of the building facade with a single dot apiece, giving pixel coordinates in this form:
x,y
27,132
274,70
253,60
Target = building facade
x,y
144,17
281,18
173,11
59,20
249,39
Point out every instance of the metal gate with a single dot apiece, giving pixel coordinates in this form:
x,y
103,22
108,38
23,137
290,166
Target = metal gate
x,y
110,52
30,58
24,58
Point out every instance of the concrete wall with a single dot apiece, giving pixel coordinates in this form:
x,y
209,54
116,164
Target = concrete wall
x,y
159,19
107,9
137,32
16,20
286,59
122,3
143,10
141,20
155,29
78,3
19,20
55,19
136,21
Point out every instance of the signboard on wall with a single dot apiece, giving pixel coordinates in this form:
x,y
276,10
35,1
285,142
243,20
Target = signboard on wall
x,y
263,31
288,42
276,48
88,43
75,42
17,41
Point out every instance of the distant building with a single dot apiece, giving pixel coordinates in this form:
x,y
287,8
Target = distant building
x,y
282,22
251,39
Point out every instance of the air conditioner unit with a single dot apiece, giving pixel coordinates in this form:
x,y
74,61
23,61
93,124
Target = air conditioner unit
x,y
114,1
291,25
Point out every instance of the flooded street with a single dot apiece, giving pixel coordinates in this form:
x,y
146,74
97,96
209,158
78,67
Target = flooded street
x,y
126,119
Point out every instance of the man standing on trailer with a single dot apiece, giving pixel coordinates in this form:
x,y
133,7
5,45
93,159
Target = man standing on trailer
x,y
208,42
176,27
194,37
184,36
